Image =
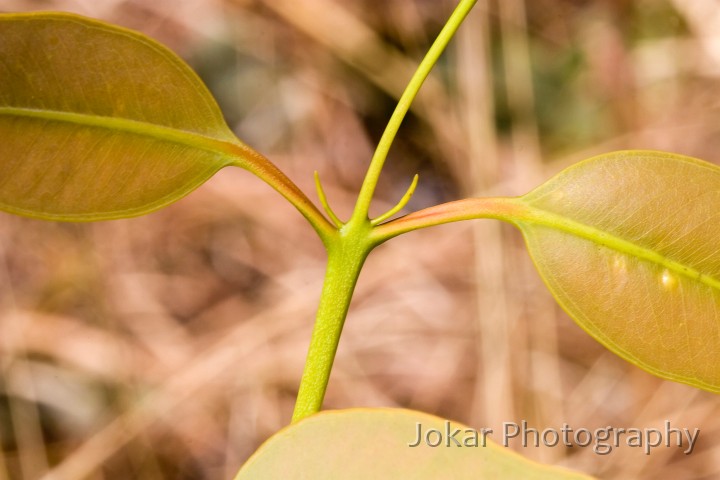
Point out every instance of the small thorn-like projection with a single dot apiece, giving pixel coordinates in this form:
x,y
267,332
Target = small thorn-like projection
x,y
323,200
401,204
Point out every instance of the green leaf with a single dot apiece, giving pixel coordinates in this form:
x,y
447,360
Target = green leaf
x,y
368,443
99,122
629,245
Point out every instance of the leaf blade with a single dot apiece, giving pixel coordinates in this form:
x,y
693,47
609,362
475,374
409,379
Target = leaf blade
x,y
643,278
362,443
83,99
650,216
70,63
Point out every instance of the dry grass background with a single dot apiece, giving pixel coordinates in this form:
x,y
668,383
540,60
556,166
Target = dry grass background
x,y
170,346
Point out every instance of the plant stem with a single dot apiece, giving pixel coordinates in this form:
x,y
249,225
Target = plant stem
x,y
349,245
254,162
378,160
345,259
500,208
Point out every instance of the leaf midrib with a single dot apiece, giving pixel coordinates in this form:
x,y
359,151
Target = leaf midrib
x,y
538,216
136,127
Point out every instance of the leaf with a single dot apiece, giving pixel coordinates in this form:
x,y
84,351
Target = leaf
x,y
99,122
366,443
629,245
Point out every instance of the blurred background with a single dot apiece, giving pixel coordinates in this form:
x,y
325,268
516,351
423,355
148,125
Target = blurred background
x,y
171,346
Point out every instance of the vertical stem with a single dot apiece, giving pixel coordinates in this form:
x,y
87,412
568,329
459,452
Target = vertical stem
x,y
348,249
378,160
344,263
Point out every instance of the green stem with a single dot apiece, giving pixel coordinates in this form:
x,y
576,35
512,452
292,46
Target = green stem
x,y
345,259
378,160
350,244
